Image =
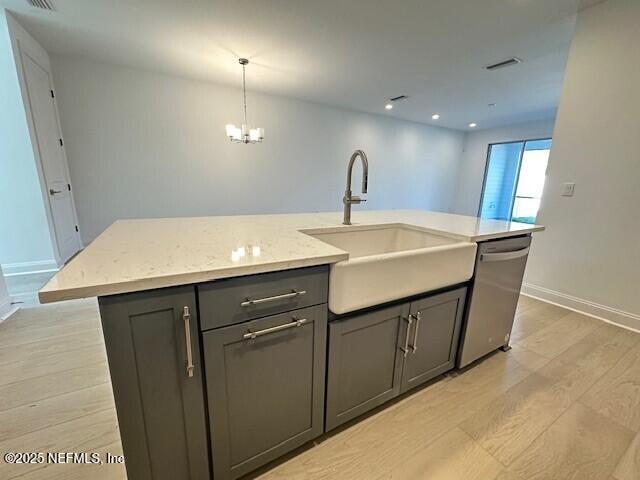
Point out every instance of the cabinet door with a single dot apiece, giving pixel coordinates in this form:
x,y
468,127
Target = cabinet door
x,y
160,402
434,335
365,362
265,383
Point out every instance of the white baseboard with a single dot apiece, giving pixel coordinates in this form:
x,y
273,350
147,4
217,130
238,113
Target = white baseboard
x,y
25,268
7,309
26,298
612,315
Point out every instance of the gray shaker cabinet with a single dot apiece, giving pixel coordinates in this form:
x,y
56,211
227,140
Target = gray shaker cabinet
x,y
159,398
433,337
375,356
265,388
363,366
265,377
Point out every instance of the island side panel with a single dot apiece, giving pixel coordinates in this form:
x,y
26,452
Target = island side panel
x,y
160,407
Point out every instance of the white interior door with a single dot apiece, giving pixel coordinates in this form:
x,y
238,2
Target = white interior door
x,y
52,155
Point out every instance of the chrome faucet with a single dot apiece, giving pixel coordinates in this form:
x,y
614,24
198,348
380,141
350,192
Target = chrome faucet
x,y
348,198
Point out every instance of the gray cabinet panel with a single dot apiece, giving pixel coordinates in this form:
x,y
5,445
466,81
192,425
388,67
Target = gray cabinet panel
x,y
363,366
434,334
160,408
227,302
266,394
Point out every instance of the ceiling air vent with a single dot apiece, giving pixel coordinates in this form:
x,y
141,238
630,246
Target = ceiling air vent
x,y
505,63
43,4
399,97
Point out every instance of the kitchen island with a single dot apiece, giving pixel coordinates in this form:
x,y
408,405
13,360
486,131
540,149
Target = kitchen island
x,y
222,348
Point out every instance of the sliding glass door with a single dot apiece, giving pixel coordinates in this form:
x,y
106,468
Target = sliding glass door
x,y
514,180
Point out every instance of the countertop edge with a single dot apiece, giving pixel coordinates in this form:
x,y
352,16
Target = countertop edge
x,y
139,285
495,236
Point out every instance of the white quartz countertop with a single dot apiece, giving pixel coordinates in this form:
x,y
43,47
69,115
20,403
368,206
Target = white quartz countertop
x,y
135,255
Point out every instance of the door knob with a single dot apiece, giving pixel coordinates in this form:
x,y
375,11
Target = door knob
x,y
53,192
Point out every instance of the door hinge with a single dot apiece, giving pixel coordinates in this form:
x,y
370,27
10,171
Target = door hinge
x,y
77,228
53,95
61,142
69,186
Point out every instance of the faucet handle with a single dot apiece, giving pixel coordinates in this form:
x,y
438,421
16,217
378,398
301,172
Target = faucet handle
x,y
355,199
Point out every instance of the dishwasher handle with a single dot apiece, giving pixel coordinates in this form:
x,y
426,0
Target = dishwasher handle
x,y
503,256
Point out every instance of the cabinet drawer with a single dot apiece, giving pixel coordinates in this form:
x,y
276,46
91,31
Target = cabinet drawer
x,y
236,300
265,382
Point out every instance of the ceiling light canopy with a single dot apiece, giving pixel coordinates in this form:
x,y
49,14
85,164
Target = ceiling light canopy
x,y
244,134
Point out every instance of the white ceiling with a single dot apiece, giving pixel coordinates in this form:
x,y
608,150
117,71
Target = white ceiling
x,y
350,53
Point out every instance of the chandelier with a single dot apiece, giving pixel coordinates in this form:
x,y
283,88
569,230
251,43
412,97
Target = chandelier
x,y
244,134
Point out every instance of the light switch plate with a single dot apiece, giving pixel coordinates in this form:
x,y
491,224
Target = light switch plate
x,y
568,189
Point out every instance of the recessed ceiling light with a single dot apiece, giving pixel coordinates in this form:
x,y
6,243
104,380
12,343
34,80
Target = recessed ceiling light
x,y
435,116
388,106
473,125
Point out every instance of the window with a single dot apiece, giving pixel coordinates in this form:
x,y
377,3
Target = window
x,y
514,180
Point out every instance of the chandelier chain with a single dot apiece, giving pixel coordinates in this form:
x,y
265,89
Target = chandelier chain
x,y
244,92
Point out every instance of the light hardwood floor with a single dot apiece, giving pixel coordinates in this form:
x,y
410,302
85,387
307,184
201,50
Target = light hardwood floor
x,y
564,403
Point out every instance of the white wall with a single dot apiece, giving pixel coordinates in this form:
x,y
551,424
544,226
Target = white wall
x,y
24,238
142,144
589,257
472,167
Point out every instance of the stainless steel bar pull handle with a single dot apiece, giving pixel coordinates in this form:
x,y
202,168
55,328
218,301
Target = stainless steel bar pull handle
x,y
295,323
405,347
414,345
186,316
294,293
503,256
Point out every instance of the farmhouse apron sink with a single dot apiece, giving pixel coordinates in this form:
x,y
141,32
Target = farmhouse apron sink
x,y
391,262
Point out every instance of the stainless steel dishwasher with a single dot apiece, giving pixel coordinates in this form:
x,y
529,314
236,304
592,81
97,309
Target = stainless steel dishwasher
x,y
494,296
